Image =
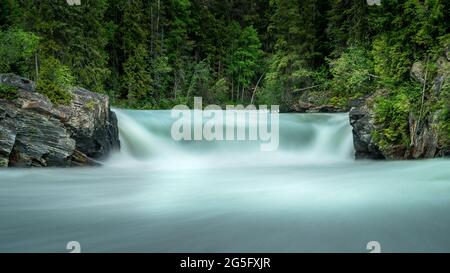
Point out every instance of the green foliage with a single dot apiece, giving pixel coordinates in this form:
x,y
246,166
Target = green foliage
x,y
156,54
348,25
55,80
245,57
77,36
351,72
391,60
7,92
17,49
443,125
220,91
443,118
406,31
392,112
137,80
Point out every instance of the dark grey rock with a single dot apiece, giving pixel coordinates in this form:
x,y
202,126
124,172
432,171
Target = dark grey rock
x,y
424,137
17,81
7,140
363,123
35,133
92,124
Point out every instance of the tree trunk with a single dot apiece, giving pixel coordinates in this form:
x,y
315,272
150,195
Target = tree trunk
x,y
256,87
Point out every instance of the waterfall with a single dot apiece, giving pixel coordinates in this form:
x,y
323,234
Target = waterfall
x,y
303,138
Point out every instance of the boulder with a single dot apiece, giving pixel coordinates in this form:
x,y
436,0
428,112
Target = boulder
x,y
36,133
91,122
17,81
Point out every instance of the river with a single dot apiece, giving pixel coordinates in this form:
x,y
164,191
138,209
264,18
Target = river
x,y
160,195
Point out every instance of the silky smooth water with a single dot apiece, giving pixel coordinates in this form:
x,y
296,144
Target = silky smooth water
x,y
159,195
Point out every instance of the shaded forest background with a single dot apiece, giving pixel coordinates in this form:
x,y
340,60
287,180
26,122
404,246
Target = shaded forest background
x,y
159,53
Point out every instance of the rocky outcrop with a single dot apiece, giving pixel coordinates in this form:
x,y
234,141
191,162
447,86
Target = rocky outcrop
x,y
424,138
36,133
92,124
305,107
17,81
312,101
425,141
362,120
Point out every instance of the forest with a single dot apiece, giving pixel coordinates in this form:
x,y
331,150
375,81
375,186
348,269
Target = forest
x,y
160,53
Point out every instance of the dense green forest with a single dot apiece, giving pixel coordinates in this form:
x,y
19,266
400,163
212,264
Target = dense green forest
x,y
154,54
159,53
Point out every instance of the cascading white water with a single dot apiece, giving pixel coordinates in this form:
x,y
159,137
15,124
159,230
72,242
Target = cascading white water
x,y
159,195
303,138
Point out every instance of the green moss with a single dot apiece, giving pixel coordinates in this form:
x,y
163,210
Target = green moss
x,y
90,105
7,92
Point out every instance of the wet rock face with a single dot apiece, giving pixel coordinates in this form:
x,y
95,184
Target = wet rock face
x,y
35,133
7,138
92,124
363,122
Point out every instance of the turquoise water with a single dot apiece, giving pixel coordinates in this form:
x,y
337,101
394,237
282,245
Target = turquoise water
x,y
159,195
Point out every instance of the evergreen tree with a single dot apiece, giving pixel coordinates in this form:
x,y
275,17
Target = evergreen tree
x,y
348,25
76,35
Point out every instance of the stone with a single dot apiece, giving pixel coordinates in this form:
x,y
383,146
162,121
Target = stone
x,y
92,124
36,133
17,81
363,123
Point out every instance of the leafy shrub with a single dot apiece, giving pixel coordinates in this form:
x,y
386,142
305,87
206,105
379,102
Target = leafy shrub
x,y
391,59
54,81
55,93
391,116
351,72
